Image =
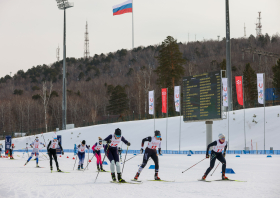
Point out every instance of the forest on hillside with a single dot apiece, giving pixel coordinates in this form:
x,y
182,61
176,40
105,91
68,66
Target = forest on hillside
x,y
115,86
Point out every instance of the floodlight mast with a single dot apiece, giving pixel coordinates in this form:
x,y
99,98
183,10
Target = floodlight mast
x,y
63,5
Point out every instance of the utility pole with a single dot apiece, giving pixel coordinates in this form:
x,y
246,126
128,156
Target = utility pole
x,y
57,53
86,51
218,38
228,57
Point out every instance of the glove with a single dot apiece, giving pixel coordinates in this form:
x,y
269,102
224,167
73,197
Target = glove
x,y
49,152
141,151
159,151
62,152
109,141
128,144
93,151
224,154
44,145
207,155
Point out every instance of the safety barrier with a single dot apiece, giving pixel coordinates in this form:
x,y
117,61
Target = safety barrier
x,y
250,152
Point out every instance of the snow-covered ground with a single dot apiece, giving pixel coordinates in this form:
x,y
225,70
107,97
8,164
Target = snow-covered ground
x,y
260,172
193,134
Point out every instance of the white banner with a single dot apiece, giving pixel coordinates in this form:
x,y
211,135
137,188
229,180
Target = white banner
x,y
260,88
151,103
225,93
177,98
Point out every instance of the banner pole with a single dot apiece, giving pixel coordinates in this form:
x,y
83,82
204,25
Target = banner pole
x,y
264,105
180,120
154,111
244,112
166,115
132,27
228,129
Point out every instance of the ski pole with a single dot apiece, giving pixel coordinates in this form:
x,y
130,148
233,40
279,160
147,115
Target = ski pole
x,y
194,165
88,163
75,162
102,161
132,157
44,141
124,159
88,157
215,168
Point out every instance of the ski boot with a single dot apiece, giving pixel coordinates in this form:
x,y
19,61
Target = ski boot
x,y
136,176
101,169
82,166
79,167
113,176
58,170
37,166
98,169
156,176
121,180
204,177
51,168
224,177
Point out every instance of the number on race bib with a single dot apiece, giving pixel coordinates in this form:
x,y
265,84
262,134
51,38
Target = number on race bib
x,y
114,144
36,146
154,147
53,145
82,150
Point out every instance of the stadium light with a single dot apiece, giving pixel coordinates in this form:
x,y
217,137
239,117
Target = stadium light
x,y
63,5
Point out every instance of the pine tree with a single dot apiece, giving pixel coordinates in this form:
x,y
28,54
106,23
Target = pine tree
x,y
250,84
118,102
276,77
170,70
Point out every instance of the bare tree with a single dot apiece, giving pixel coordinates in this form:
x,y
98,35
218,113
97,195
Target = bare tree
x,y
45,99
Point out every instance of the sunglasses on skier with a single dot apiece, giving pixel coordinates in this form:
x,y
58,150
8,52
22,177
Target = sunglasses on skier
x,y
158,136
223,139
118,136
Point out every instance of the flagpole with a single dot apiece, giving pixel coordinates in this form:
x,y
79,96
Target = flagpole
x,y
166,115
132,27
264,105
244,112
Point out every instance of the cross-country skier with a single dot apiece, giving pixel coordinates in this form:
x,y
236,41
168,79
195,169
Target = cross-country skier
x,y
35,145
216,153
1,146
150,151
111,150
96,151
120,153
81,154
52,146
11,151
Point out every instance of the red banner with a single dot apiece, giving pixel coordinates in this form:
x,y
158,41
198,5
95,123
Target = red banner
x,y
239,89
164,100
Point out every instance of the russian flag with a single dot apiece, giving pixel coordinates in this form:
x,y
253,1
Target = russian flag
x,y
125,7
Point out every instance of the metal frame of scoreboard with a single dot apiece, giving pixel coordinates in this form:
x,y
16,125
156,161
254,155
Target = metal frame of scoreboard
x,y
221,99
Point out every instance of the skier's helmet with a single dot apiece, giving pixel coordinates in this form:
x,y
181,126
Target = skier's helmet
x,y
54,136
84,142
118,132
100,139
157,133
221,136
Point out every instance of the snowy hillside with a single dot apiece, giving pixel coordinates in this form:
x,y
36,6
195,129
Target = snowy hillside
x,y
193,134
